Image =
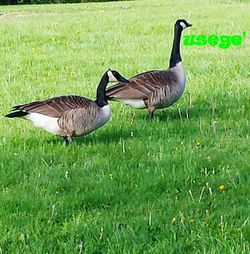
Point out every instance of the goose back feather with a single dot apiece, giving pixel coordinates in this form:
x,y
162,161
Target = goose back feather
x,y
54,107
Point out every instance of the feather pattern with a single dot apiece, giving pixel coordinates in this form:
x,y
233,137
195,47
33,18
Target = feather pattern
x,y
158,89
73,121
71,115
54,107
74,115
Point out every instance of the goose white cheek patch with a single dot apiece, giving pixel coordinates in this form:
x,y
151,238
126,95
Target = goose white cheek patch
x,y
111,76
183,25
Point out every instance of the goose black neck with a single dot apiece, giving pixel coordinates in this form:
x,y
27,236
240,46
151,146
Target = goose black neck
x,y
175,54
101,98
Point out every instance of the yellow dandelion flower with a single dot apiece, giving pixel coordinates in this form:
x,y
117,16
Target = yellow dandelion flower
x,y
174,220
222,187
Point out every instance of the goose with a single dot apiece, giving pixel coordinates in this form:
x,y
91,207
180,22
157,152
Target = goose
x,y
156,89
72,115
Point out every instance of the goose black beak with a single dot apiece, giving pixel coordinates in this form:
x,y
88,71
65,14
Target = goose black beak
x,y
188,25
122,79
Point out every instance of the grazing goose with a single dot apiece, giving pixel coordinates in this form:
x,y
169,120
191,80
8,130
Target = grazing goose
x,y
69,116
155,89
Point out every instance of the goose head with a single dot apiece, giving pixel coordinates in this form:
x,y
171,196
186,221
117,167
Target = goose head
x,y
182,24
115,76
108,76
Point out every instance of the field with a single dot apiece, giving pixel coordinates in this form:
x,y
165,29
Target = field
x,y
179,184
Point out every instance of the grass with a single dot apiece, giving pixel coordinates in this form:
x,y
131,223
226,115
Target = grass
x,y
177,185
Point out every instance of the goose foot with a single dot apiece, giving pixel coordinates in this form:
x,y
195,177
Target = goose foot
x,y
67,140
150,115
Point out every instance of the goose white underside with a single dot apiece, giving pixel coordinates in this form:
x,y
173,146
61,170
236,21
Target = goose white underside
x,y
47,123
50,124
134,103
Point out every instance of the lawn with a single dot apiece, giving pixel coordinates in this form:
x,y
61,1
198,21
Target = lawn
x,y
179,184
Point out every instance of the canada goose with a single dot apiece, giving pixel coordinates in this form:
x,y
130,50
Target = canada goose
x,y
72,115
155,89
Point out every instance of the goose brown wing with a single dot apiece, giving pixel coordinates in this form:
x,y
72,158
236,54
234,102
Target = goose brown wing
x,y
141,86
54,107
128,90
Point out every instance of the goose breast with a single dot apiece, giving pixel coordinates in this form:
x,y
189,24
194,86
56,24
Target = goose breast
x,y
82,121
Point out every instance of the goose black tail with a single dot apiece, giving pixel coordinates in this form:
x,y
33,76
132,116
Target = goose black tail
x,y
16,114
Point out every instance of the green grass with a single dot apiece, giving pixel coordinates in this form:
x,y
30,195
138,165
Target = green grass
x,y
131,186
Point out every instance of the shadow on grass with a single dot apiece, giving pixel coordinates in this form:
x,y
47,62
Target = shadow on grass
x,y
182,114
110,135
107,136
189,113
218,106
175,114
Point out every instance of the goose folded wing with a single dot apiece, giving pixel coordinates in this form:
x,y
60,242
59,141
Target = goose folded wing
x,y
54,107
139,87
128,90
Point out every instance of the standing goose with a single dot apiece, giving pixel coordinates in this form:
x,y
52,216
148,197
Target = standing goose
x,y
72,115
155,89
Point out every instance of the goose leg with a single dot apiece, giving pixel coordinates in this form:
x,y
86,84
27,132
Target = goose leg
x,y
150,114
67,140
